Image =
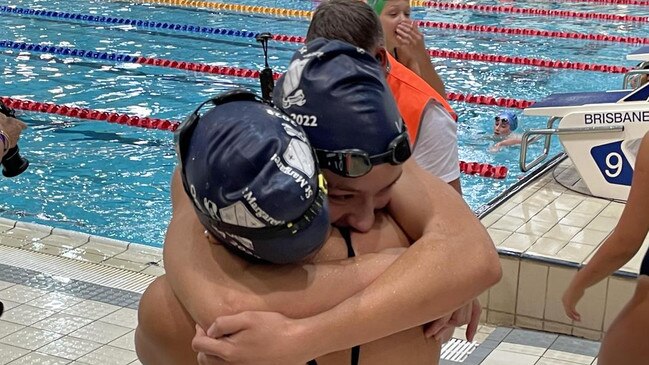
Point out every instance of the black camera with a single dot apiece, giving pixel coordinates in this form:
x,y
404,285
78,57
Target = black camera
x,y
266,75
12,163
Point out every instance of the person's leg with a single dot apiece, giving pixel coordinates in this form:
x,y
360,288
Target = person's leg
x,y
626,341
165,329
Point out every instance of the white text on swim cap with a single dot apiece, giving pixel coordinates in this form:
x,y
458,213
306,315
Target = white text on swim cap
x,y
260,213
308,192
208,206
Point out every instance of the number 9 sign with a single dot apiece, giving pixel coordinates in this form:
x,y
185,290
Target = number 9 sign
x,y
612,163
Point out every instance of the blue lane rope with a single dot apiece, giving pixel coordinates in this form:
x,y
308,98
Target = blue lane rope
x,y
68,51
124,21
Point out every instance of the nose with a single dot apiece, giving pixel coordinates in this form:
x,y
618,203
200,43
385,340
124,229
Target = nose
x,y
362,218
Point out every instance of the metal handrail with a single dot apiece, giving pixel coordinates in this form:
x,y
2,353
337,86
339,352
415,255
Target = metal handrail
x,y
641,69
548,133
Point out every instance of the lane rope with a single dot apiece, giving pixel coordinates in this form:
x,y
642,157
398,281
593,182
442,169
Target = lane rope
x,y
531,11
90,114
483,169
234,71
241,72
298,39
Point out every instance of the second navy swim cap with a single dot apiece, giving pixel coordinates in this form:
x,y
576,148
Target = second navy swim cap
x,y
251,175
339,95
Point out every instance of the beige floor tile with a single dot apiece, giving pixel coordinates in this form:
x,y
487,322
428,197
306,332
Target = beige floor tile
x,y
521,349
558,280
497,235
532,286
565,356
108,355
528,322
82,255
589,237
65,241
591,306
102,249
524,212
126,265
613,210
126,342
7,328
140,253
620,291
562,232
604,224
577,219
5,284
502,296
26,315
9,353
591,205
566,202
91,309
555,327
10,304
25,234
30,338
517,242
54,301
153,270
490,219
550,215
575,252
535,228
124,317
509,224
500,319
100,332
38,246
62,323
21,293
69,347
35,358
11,241
587,333
500,357
547,246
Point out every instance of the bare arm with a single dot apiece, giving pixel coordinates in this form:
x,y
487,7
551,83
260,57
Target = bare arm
x,y
509,142
430,279
624,242
453,262
211,281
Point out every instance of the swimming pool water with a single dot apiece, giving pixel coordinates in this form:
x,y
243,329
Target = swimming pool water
x,y
113,180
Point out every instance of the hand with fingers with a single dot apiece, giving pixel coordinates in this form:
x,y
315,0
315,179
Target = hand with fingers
x,y
570,298
411,46
468,314
10,129
261,338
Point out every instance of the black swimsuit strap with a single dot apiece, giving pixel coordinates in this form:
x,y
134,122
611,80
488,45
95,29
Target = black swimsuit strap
x,y
347,235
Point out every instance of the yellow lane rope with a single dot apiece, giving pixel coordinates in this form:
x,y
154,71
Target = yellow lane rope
x,y
254,9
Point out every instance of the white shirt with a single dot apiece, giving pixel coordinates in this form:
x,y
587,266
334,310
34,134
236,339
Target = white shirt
x,y
436,149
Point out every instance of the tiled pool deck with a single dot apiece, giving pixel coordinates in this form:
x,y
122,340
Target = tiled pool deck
x,y
71,298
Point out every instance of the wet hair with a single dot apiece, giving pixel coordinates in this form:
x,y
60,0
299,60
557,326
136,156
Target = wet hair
x,y
351,21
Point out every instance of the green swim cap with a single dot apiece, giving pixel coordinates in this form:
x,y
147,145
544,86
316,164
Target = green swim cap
x,y
377,5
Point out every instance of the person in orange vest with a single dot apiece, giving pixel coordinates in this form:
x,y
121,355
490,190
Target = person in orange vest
x,y
429,117
405,42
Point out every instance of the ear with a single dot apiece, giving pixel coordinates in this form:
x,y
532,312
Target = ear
x,y
381,56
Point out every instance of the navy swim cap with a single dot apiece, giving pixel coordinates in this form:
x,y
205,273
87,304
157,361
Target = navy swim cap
x,y
338,93
511,117
251,175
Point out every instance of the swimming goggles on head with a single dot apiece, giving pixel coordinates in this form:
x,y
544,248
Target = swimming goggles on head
x,y
356,162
